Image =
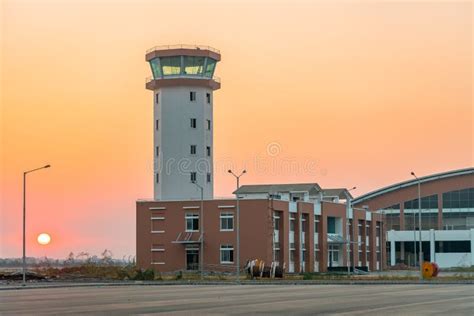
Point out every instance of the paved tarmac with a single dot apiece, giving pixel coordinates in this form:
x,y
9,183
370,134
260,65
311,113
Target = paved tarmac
x,y
243,299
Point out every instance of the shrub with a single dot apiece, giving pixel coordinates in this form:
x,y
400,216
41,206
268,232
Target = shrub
x,y
148,274
307,276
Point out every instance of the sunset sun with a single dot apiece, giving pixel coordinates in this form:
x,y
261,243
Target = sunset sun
x,y
44,239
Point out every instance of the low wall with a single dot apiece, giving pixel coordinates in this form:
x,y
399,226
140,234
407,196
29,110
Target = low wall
x,y
453,259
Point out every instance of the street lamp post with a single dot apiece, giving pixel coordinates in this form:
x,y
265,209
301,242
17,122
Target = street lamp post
x,y
348,241
414,239
382,241
24,219
201,255
420,257
237,222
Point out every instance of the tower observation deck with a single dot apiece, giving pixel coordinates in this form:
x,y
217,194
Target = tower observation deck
x,y
183,82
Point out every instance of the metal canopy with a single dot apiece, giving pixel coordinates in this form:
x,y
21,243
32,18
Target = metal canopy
x,y
336,239
188,238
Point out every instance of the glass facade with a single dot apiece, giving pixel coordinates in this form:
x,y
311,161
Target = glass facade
x,y
155,68
392,217
183,66
429,213
459,246
171,65
428,221
458,209
457,214
210,67
427,202
193,65
461,199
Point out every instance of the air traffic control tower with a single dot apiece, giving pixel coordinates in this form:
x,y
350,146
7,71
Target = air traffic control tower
x,y
183,83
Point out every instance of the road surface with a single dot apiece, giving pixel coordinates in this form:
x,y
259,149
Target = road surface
x,y
243,300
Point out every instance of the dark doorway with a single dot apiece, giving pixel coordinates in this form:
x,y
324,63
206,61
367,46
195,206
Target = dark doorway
x,y
192,259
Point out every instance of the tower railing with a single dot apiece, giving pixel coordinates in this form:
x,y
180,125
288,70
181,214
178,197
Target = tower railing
x,y
215,78
183,46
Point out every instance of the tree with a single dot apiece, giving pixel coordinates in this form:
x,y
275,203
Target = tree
x,y
83,256
106,257
70,259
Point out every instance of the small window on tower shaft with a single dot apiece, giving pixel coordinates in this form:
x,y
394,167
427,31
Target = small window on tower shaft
x,y
157,98
208,125
157,151
157,124
157,178
192,95
193,123
193,176
208,97
193,149
208,151
208,177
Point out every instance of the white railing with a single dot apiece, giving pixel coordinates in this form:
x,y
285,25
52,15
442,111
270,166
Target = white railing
x,y
183,46
150,79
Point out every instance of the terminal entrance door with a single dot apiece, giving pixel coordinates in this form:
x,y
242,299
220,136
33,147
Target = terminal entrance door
x,y
192,259
333,256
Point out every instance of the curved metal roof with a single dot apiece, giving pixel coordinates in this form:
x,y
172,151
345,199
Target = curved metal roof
x,y
404,184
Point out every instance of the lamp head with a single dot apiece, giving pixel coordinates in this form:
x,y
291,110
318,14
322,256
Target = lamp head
x,y
245,171
412,173
229,171
47,166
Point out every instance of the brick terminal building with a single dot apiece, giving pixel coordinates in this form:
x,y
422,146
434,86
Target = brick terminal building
x,y
303,232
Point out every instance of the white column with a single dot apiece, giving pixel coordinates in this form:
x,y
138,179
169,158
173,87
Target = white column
x,y
472,246
392,252
432,245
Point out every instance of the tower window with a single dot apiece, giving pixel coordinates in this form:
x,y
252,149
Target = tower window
x,y
157,151
157,124
208,125
157,98
157,178
192,96
208,151
193,123
193,149
193,176
208,98
208,177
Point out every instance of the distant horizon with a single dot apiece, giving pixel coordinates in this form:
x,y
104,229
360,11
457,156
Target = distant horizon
x,y
341,94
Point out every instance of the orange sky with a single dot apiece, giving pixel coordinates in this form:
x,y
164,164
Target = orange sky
x,y
347,93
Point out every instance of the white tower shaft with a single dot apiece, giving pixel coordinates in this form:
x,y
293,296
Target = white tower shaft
x,y
183,85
